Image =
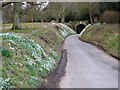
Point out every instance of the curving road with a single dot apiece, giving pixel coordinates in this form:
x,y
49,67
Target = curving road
x,y
88,67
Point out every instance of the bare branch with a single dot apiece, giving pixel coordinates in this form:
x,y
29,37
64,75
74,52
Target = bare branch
x,y
5,4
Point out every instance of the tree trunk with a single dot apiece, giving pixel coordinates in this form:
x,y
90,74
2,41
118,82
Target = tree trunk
x,y
90,13
63,15
62,20
42,20
91,19
16,21
57,19
32,19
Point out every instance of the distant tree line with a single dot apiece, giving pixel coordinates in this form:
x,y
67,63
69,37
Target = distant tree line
x,y
105,12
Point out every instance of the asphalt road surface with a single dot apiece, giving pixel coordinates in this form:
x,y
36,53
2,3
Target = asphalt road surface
x,y
88,66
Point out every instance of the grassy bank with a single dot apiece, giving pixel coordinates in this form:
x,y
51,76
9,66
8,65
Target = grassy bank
x,y
105,36
30,54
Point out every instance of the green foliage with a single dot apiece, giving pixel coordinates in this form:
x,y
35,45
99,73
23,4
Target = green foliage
x,y
70,16
5,53
5,84
84,16
109,6
33,54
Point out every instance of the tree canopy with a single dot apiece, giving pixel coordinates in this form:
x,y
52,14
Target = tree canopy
x,y
57,11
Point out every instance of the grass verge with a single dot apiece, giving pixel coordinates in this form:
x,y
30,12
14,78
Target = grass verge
x,y
104,36
29,55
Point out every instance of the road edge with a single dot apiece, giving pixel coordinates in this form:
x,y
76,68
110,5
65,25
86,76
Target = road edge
x,y
54,79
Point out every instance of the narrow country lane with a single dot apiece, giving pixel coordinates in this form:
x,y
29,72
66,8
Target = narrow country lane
x,y
88,67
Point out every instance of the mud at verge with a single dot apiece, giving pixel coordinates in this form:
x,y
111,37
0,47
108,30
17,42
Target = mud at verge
x,y
54,78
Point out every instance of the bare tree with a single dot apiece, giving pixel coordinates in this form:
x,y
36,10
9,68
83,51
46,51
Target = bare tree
x,y
16,11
